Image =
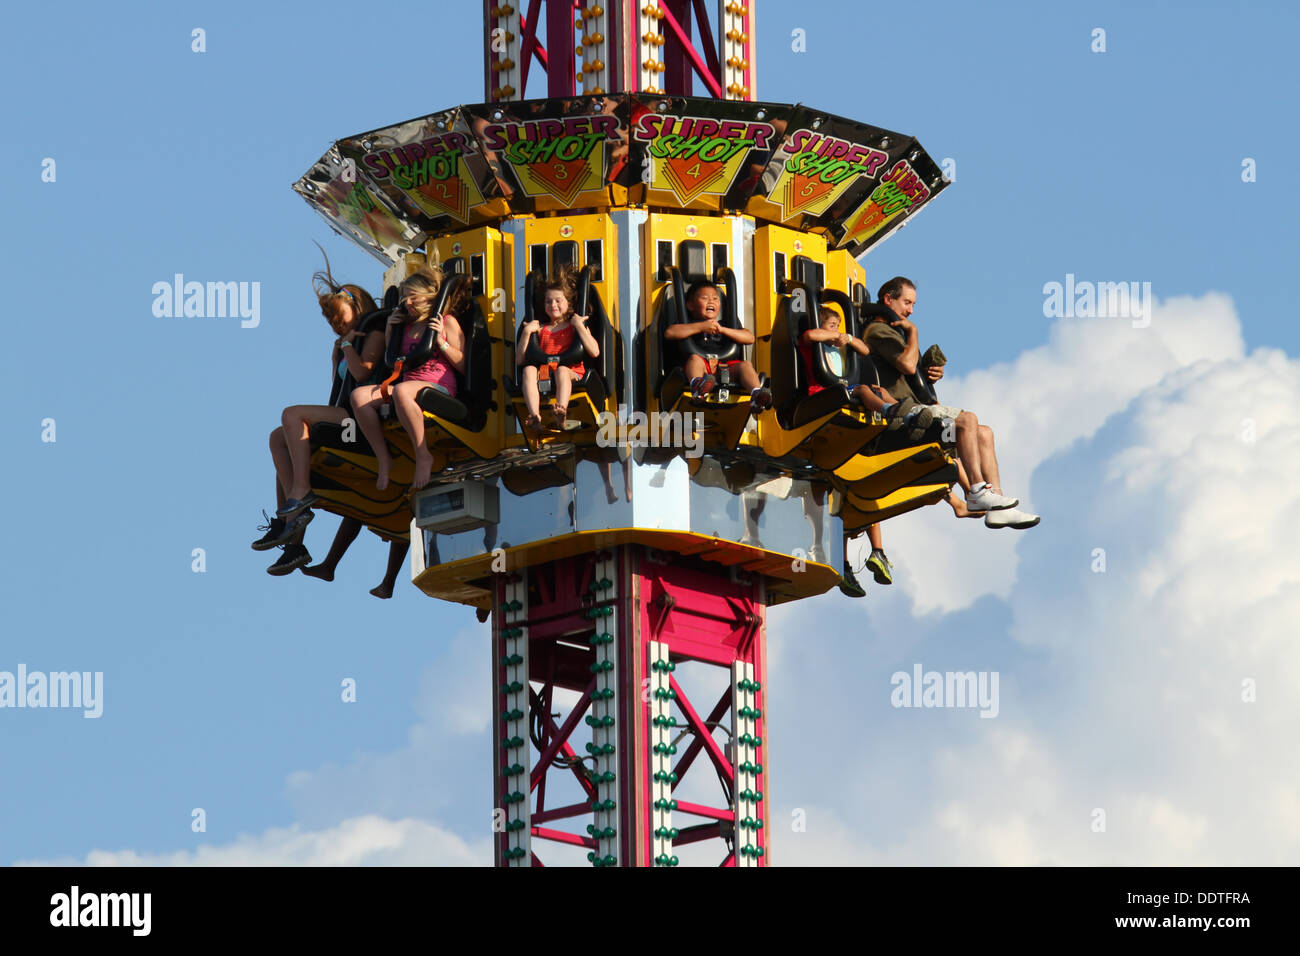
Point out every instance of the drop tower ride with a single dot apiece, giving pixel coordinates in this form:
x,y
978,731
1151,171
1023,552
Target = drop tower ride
x,y
628,561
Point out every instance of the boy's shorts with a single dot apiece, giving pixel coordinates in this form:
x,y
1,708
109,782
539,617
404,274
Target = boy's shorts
x,y
711,365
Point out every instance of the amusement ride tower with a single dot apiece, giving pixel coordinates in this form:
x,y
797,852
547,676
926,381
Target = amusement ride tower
x,y
628,560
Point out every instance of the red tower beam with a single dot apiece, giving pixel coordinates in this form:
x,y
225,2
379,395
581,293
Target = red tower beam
x,y
559,41
682,55
627,46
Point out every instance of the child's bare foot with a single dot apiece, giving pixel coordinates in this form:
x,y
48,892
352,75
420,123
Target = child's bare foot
x,y
533,424
423,467
381,478
961,511
561,412
382,590
322,571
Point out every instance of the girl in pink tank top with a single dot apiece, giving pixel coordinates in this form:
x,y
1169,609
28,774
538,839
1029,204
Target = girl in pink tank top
x,y
437,371
411,320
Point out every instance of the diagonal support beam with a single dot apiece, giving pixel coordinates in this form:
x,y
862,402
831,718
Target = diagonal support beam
x,y
696,745
702,735
688,48
707,43
529,46
560,739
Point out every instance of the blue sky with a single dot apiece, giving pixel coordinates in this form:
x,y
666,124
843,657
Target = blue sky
x,y
222,688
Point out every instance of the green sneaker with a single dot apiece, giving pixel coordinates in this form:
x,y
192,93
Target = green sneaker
x,y
849,585
880,567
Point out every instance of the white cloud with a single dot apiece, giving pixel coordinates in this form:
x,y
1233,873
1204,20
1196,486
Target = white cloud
x,y
1038,404
361,841
1121,691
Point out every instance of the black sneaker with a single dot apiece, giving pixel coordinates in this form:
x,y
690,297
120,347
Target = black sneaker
x,y
295,505
898,414
291,530
849,585
294,557
274,529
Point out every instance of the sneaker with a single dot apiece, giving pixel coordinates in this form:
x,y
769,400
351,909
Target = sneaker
x,y
294,557
295,505
849,585
1010,518
880,567
899,413
274,529
925,417
987,500
761,398
290,530
702,386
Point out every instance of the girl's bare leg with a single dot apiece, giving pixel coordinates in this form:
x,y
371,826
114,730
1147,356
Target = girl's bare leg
x,y
411,416
532,397
563,389
396,555
957,502
365,405
283,466
349,528
296,422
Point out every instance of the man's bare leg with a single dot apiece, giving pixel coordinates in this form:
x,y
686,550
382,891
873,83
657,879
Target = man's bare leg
x,y
988,460
968,445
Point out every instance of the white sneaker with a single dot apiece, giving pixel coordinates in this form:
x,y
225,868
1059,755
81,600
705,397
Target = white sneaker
x,y
987,500
1010,518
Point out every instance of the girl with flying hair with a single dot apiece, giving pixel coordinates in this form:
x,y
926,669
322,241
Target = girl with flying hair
x,y
554,299
432,351
355,356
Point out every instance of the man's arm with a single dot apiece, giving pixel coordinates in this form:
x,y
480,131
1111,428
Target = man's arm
x,y
887,342
911,354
